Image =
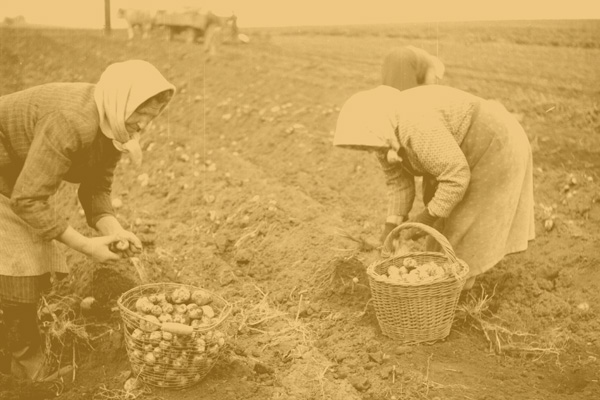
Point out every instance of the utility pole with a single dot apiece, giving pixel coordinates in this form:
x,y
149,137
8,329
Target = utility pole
x,y
107,29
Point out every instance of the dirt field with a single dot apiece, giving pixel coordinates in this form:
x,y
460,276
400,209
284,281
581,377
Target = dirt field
x,y
246,196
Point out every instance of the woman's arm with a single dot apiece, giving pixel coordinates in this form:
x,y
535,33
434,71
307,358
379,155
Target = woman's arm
x,y
42,173
95,248
440,156
95,189
401,190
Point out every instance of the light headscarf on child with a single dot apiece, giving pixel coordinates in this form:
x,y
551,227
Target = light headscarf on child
x,y
122,88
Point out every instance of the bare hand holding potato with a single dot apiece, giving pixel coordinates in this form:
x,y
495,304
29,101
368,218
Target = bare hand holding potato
x,y
127,244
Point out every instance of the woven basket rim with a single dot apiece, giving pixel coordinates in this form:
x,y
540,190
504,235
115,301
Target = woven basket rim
x,y
223,315
461,275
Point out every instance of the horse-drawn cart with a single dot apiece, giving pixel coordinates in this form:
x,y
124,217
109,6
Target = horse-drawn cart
x,y
195,24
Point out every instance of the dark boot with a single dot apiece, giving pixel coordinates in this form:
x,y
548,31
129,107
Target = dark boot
x,y
23,339
5,355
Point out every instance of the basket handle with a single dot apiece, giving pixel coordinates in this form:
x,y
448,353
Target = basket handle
x,y
446,247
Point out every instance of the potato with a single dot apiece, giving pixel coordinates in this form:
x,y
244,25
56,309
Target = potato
x,y
179,363
218,334
155,337
200,346
137,334
165,318
164,345
180,309
196,323
208,311
143,305
201,297
180,295
150,323
214,349
168,336
167,308
149,358
132,384
156,310
409,262
153,298
195,313
181,318
137,354
161,298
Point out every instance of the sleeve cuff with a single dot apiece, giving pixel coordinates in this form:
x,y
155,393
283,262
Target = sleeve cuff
x,y
395,219
437,211
94,220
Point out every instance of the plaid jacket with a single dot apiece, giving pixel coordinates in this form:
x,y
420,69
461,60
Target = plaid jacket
x,y
50,134
430,148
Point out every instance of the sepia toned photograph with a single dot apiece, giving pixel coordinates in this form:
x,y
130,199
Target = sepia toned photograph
x,y
299,200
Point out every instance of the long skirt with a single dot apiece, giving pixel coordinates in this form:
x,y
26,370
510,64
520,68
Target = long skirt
x,y
496,215
26,260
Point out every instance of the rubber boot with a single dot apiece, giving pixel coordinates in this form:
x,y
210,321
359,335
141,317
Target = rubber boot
x,y
23,339
5,356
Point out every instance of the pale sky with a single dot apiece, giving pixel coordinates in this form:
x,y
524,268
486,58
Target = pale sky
x,y
255,13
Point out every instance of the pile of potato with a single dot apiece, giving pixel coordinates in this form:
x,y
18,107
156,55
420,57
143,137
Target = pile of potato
x,y
412,272
173,344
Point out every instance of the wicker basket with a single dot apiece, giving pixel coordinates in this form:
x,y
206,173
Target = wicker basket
x,y
416,312
182,355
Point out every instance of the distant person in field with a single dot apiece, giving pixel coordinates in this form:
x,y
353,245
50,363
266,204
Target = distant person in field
x,y
74,132
473,149
407,67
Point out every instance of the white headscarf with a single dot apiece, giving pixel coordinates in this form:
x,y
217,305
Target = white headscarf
x,y
122,88
368,118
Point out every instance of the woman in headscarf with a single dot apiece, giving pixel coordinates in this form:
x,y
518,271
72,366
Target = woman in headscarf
x,y
74,132
474,149
407,67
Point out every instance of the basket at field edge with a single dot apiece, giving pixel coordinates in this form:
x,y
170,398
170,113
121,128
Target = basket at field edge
x,y
193,364
416,312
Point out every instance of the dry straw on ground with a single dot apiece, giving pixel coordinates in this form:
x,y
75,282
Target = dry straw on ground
x,y
65,333
504,341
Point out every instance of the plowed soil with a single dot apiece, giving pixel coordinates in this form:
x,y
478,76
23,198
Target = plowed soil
x,y
246,196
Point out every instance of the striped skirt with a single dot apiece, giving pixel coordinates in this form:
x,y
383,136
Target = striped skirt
x,y
26,260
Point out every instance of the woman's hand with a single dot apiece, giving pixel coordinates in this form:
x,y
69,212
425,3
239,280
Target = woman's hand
x,y
98,249
128,244
415,233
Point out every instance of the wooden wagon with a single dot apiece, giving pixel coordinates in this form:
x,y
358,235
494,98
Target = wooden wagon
x,y
194,24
